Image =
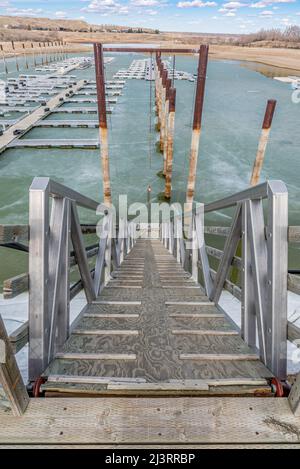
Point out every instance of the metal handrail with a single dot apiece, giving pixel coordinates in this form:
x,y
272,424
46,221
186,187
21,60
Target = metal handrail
x,y
51,230
263,263
261,191
55,189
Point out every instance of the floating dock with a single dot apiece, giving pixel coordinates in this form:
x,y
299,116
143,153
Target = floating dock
x,y
72,124
80,110
54,143
25,124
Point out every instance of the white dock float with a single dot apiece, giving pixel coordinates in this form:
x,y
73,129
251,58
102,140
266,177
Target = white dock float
x,y
69,124
54,143
80,110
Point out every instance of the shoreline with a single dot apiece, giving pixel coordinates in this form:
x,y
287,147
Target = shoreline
x,y
284,60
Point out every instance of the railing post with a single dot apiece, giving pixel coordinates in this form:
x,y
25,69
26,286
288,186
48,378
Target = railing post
x,y
107,265
165,239
199,227
248,319
78,245
194,252
121,240
38,278
125,236
59,262
171,237
277,248
178,235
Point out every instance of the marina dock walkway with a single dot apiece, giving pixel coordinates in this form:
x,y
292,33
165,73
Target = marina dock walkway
x,y
154,331
29,121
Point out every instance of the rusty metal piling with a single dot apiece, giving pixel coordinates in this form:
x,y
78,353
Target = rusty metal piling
x,y
166,119
164,76
198,110
100,85
170,142
3,58
263,141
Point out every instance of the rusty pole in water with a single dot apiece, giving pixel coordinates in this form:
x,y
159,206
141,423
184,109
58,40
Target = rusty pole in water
x,y
25,56
166,118
170,142
198,109
159,95
33,53
3,58
156,81
164,77
100,84
263,141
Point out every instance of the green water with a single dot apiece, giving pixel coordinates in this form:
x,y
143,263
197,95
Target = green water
x,y
234,107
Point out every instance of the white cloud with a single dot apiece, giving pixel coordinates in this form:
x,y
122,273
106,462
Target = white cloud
x,y
229,8
196,4
103,7
267,13
60,14
152,12
24,11
145,3
286,21
4,4
233,5
266,3
123,10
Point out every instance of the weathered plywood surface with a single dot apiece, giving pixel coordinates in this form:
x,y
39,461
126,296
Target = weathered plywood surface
x,y
157,446
12,287
155,421
159,354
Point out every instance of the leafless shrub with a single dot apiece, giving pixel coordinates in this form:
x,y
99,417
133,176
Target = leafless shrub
x,y
26,35
276,36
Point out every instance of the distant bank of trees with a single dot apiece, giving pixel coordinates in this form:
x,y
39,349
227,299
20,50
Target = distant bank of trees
x,y
290,35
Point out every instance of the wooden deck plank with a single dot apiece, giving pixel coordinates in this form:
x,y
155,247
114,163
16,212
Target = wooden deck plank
x,y
89,343
153,421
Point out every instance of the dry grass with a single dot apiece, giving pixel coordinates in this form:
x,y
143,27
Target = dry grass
x,y
255,48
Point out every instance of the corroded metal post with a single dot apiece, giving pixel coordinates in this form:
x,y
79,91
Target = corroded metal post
x,y
159,95
33,53
170,142
157,61
263,141
166,119
199,100
3,58
100,84
164,77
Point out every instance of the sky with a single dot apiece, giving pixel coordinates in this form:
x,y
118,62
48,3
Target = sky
x,y
211,16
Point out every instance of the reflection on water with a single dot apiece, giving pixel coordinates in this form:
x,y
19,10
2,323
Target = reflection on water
x,y
269,70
